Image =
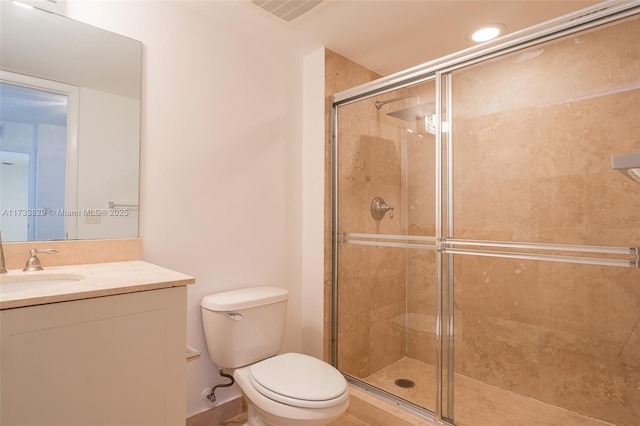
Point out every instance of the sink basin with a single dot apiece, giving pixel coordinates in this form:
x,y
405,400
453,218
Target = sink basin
x,y
14,283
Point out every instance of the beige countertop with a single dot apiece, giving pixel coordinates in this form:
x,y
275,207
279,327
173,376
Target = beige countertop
x,y
97,279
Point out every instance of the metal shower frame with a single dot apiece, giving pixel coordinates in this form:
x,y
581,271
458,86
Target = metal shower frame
x,y
439,70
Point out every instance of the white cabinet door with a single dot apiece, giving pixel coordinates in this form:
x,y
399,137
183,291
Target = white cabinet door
x,y
116,360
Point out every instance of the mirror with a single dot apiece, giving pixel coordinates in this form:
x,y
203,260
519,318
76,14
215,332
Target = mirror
x,y
69,128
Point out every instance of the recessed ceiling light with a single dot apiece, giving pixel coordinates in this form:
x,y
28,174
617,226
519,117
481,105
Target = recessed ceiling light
x,y
487,32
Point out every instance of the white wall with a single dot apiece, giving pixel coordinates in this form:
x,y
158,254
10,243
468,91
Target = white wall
x,y
108,159
221,169
313,203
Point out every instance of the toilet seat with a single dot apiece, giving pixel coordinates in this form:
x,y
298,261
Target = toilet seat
x,y
299,380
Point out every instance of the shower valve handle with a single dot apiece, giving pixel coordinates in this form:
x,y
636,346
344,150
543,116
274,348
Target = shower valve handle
x,y
379,208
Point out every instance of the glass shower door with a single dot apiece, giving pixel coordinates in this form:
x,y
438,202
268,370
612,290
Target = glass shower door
x,y
387,290
544,230
506,280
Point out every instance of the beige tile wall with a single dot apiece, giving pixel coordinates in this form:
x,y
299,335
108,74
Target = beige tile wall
x,y
372,291
340,74
73,252
420,198
379,158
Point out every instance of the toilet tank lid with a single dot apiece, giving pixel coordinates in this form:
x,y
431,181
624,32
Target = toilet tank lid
x,y
244,298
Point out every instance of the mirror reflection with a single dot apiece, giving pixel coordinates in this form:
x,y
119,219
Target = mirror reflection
x,y
69,128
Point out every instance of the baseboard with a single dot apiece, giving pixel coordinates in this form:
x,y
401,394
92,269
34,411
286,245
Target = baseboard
x,y
218,414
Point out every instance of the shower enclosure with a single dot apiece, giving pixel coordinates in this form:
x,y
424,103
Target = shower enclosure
x,y
484,249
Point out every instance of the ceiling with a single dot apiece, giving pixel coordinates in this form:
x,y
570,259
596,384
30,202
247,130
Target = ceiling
x,y
388,36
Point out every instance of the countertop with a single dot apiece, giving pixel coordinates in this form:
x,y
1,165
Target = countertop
x,y
100,279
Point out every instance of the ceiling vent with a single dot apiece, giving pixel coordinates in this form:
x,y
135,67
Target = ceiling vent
x,y
287,10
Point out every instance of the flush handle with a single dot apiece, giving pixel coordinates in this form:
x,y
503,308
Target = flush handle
x,y
234,316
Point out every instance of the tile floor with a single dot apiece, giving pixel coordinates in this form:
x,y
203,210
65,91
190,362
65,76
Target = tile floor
x,y
345,420
477,404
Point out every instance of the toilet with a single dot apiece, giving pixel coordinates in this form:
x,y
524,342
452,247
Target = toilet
x,y
244,330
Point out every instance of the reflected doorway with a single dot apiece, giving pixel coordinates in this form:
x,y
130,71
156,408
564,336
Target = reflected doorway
x,y
33,142
14,187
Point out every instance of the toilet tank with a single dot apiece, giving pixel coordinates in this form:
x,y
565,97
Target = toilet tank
x,y
244,326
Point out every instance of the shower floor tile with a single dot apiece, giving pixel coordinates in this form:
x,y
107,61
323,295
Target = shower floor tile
x,y
476,403
424,391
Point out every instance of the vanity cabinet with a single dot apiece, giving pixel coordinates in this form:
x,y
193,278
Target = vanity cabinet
x,y
113,360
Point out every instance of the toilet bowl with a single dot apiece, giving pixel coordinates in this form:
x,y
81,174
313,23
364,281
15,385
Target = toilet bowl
x,y
244,330
292,390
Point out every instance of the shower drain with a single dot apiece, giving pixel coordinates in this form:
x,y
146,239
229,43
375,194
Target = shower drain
x,y
405,383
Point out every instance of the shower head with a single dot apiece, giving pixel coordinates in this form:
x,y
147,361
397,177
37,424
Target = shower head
x,y
414,113
628,164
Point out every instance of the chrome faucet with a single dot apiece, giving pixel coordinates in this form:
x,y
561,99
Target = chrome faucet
x,y
33,263
2,267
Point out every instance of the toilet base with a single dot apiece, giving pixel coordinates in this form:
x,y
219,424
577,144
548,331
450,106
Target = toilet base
x,y
252,417
262,411
267,419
